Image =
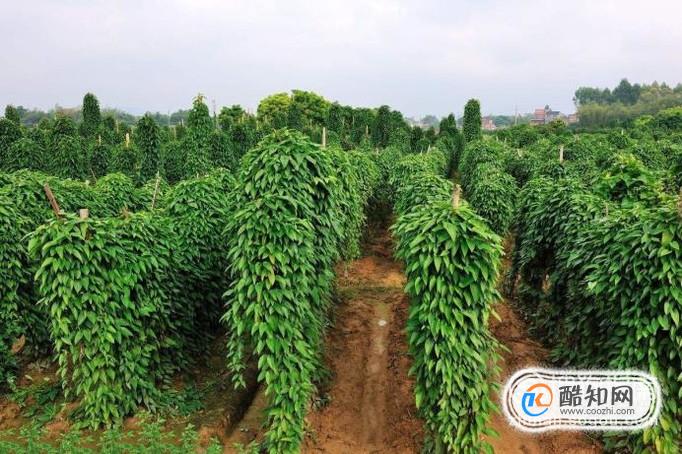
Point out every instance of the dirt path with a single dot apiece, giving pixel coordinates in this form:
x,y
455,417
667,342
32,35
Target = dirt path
x,y
525,352
371,404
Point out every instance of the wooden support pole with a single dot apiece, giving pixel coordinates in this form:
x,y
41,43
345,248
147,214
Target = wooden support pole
x,y
324,137
127,140
99,139
561,153
156,189
52,200
456,193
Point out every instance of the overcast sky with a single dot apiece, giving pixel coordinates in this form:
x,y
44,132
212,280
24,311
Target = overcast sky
x,y
420,57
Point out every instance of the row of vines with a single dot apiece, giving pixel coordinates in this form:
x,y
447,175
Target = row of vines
x,y
301,208
130,294
596,265
451,262
121,297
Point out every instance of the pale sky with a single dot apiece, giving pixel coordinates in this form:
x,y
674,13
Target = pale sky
x,y
420,57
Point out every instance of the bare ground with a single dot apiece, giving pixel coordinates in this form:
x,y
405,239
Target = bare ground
x,y
371,408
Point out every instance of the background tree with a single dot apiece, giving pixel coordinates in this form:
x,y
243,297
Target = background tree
x,y
174,156
627,93
472,120
68,158
587,95
63,127
92,117
108,130
147,138
311,108
273,110
179,131
296,117
12,114
179,117
416,135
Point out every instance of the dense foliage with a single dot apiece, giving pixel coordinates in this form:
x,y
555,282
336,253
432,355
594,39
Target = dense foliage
x,y
283,243
198,211
92,116
131,295
625,103
451,262
147,139
102,282
489,189
596,235
471,128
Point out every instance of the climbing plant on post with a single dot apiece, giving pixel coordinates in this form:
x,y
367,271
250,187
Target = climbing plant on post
x,y
12,114
103,282
451,262
282,247
472,121
92,118
148,141
197,142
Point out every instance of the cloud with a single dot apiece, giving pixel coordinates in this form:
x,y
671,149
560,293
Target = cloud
x,y
420,57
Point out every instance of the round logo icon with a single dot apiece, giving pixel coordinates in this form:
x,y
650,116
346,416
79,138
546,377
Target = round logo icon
x,y
537,399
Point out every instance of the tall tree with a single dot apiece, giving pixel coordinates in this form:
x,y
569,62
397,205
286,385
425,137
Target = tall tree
x,y
472,120
312,108
147,137
627,93
92,116
12,114
222,151
273,110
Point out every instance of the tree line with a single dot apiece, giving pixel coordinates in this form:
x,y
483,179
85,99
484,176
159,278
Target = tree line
x,y
620,106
